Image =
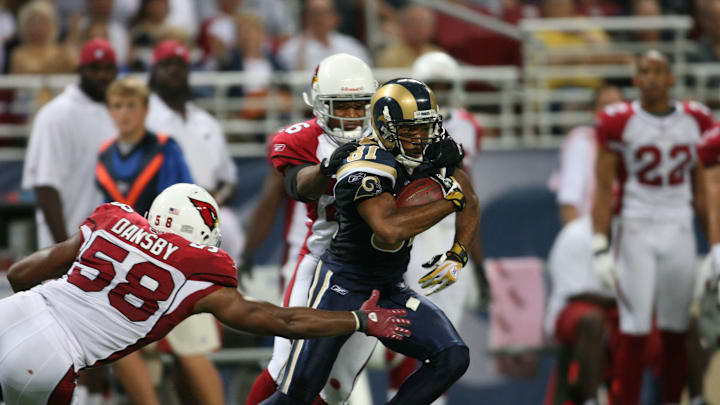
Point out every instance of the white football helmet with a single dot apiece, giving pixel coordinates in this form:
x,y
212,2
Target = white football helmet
x,y
341,77
433,67
189,211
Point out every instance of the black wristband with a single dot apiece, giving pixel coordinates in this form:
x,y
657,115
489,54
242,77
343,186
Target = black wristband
x,y
363,319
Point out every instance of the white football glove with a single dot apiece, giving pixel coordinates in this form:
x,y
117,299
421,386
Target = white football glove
x,y
445,268
603,262
451,190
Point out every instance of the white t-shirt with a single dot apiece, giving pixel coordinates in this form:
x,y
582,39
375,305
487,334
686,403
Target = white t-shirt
x,y
304,52
576,178
201,139
64,144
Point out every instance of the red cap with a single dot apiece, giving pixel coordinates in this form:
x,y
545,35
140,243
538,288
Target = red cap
x,y
170,48
96,50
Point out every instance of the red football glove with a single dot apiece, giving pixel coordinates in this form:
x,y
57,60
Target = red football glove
x,y
381,322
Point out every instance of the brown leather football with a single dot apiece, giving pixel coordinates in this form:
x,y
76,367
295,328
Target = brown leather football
x,y
419,192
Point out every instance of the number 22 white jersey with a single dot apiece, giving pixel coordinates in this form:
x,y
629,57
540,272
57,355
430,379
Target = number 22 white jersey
x,y
657,156
129,285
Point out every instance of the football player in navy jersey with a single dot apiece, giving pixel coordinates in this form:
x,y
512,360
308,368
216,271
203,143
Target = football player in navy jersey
x,y
372,245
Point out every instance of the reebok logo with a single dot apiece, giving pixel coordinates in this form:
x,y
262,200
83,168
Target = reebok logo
x,y
354,178
339,289
279,147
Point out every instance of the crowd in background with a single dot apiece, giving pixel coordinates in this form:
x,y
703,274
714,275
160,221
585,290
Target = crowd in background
x,y
44,36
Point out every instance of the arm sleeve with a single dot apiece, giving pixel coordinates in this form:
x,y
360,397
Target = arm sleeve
x,y
47,158
217,268
708,147
574,170
360,186
701,114
287,150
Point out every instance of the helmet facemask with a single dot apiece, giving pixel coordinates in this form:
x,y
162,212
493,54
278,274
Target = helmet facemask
x,y
417,133
324,107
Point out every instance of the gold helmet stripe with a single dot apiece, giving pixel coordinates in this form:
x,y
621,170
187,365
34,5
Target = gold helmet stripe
x,y
402,96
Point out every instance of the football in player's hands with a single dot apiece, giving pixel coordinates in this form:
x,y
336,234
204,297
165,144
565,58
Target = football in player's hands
x,y
381,322
419,192
328,167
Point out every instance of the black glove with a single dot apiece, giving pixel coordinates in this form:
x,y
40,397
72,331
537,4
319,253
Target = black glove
x,y
444,153
424,170
244,268
328,167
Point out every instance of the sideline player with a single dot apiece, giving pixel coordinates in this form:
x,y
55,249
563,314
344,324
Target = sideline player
x,y
581,311
371,248
205,150
342,88
130,281
652,140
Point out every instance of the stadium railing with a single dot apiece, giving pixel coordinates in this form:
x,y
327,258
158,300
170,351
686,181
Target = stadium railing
x,y
518,107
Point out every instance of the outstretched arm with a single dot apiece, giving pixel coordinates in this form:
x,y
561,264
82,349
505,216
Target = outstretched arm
x,y
263,318
45,264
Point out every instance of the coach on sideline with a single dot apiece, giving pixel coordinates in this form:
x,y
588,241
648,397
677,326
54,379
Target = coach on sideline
x,y
61,155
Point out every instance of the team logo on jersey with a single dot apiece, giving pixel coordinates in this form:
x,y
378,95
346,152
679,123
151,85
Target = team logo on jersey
x,y
279,147
207,212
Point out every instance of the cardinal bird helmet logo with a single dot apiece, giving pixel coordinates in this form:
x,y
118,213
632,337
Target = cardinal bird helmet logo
x,y
207,212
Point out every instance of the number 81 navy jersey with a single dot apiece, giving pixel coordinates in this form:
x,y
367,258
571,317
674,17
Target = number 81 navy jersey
x,y
355,250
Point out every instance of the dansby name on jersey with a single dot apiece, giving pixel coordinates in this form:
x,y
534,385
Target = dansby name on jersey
x,y
152,242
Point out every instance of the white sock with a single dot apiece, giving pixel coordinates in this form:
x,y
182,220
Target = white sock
x,y
698,400
80,395
95,399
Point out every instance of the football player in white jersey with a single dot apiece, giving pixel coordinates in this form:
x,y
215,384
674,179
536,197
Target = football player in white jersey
x,y
126,281
580,311
649,145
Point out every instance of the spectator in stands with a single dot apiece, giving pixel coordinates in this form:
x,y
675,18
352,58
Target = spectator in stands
x,y
183,15
647,8
319,39
39,52
221,28
98,22
575,40
277,17
249,54
147,27
203,144
418,28
7,32
708,49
